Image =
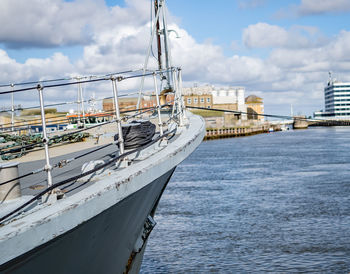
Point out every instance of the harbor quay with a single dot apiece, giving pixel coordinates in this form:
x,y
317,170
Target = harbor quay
x,y
300,122
239,131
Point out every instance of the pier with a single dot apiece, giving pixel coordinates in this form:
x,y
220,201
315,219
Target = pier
x,y
218,133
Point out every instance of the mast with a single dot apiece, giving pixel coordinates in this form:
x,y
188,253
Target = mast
x,y
159,45
166,46
160,9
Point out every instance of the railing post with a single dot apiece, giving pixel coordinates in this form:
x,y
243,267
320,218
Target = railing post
x,y
160,124
12,110
80,90
178,98
78,106
179,78
175,94
117,113
46,140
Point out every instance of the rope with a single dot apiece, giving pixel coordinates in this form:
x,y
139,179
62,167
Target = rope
x,y
138,133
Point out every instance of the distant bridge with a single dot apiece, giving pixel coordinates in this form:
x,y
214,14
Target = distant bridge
x,y
328,123
282,122
313,122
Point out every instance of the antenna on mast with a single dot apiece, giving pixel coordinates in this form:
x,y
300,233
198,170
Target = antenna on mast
x,y
330,79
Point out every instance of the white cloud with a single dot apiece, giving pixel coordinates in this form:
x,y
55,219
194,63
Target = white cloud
x,y
50,23
33,68
308,7
314,7
44,23
251,4
263,35
296,68
332,56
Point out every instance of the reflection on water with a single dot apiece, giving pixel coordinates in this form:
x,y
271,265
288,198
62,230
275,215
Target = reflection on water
x,y
274,202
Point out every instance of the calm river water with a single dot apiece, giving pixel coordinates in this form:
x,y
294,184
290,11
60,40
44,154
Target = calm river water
x,y
276,202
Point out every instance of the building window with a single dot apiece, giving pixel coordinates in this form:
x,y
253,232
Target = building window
x,y
195,100
208,100
202,100
189,101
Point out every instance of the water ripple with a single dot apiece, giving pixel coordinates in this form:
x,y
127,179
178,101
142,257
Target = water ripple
x,y
267,203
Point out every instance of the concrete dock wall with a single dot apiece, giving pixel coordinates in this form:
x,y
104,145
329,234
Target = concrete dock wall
x,y
218,133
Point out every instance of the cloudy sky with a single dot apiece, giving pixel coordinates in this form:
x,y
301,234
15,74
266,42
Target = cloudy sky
x,y
279,50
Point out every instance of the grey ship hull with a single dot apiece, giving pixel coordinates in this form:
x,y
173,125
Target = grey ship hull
x,y
102,244
97,229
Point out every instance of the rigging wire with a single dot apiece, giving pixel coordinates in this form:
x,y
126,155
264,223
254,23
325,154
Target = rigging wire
x,y
259,114
151,29
97,79
67,79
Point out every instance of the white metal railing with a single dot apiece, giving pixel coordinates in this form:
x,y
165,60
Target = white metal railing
x,y
176,114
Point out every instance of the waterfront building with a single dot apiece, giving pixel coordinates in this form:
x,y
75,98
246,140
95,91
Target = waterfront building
x,y
230,98
337,100
198,96
130,103
254,106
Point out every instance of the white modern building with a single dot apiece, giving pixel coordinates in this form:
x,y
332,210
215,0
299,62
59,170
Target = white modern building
x,y
337,100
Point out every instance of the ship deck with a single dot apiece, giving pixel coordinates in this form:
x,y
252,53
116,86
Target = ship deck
x,y
99,138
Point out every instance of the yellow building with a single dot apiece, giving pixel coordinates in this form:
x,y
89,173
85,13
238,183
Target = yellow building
x,y
196,100
255,106
226,98
198,97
